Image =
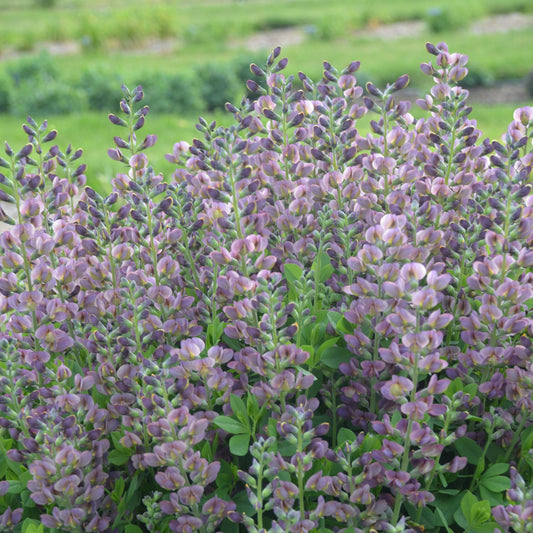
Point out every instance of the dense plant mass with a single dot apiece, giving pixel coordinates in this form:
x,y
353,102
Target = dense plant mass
x,y
302,330
36,85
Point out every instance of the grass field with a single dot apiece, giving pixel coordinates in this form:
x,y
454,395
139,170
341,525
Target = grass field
x,y
117,37
130,21
94,133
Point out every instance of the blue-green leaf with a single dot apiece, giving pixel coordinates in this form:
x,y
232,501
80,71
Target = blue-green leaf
x,y
230,424
496,470
132,528
322,266
496,483
345,435
334,356
469,449
239,444
32,526
327,344
120,456
239,410
292,272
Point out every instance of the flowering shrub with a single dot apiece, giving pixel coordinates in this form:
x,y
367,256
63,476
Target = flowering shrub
x,y
304,329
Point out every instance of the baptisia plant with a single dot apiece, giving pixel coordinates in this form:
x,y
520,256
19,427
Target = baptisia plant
x,y
303,329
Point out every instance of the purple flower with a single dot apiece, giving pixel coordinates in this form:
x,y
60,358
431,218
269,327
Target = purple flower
x,y
397,387
54,339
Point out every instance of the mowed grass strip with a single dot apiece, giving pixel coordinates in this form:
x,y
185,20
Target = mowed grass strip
x,y
131,20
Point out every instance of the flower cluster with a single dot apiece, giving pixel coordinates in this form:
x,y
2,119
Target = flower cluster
x,y
303,329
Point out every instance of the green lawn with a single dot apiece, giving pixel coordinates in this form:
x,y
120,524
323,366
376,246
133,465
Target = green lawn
x,y
94,133
135,19
116,37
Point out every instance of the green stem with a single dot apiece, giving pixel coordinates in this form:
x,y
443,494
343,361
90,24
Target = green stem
x,y
317,274
153,251
260,498
442,436
235,201
407,445
375,357
451,145
481,460
516,436
452,327
301,489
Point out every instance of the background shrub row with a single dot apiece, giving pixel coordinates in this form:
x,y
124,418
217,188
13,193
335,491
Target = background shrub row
x,y
36,86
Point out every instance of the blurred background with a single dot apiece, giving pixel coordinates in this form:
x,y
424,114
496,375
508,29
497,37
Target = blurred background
x,y
65,60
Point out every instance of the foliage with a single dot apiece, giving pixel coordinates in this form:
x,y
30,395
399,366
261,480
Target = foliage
x,y
53,98
218,85
303,329
45,3
6,90
173,93
36,88
441,19
477,77
529,83
100,88
34,69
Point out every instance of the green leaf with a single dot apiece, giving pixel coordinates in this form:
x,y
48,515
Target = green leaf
x,y
334,356
449,492
120,456
313,357
469,449
470,389
480,512
496,483
206,452
239,444
243,503
444,522
455,386
252,407
133,494
271,428
327,344
214,331
527,440
234,344
317,333
334,317
118,490
345,435
230,424
292,272
15,486
226,476
396,417
240,410
100,399
132,528
494,498
32,526
468,501
496,470
486,527
371,442
344,327
322,266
